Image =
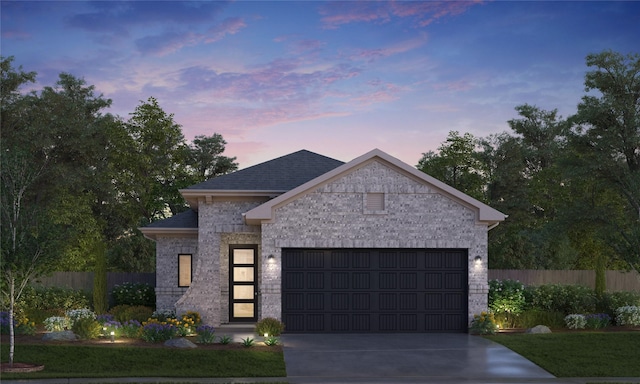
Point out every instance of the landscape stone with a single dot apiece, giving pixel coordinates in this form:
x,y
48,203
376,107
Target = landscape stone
x,y
63,335
539,329
179,343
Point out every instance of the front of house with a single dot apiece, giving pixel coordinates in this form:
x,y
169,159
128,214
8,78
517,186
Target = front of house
x,y
372,245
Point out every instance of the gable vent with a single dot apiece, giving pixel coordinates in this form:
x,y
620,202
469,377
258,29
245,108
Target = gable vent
x,y
374,202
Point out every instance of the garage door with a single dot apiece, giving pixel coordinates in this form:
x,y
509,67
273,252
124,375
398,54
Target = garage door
x,y
374,290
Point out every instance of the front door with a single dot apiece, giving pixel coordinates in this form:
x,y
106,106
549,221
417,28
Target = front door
x,y
243,283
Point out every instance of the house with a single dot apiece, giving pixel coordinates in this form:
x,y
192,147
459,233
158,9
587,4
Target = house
x,y
372,245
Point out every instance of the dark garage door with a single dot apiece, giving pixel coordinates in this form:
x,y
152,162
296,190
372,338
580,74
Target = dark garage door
x,y
374,290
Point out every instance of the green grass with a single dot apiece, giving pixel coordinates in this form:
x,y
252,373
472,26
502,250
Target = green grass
x,y
587,354
100,362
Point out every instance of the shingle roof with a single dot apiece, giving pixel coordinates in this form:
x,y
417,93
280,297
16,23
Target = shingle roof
x,y
280,174
186,219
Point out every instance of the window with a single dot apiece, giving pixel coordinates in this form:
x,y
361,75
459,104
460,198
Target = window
x,y
184,270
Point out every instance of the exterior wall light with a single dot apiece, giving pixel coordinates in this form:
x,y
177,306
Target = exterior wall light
x,y
271,257
478,260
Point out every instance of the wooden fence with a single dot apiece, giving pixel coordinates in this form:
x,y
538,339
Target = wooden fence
x,y
84,280
616,280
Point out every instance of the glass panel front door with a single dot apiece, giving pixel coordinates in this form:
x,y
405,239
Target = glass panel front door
x,y
243,283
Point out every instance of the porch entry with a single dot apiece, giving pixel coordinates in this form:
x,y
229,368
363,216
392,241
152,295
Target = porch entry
x,y
243,278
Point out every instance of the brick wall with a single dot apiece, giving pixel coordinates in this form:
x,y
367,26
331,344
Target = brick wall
x,y
415,216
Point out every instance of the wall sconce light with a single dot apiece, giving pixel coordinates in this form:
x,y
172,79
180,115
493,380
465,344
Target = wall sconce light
x,y
478,259
271,258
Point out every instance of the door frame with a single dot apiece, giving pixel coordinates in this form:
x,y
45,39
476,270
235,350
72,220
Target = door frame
x,y
254,301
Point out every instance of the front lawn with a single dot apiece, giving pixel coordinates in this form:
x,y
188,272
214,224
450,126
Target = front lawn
x,y
583,354
68,361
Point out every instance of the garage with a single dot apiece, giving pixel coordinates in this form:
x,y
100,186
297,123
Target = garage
x,y
375,290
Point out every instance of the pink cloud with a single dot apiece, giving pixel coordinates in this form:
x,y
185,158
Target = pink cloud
x,y
423,13
17,35
371,55
229,26
454,86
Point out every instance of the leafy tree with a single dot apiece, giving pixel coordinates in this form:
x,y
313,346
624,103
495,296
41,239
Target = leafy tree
x,y
100,303
606,131
456,163
206,158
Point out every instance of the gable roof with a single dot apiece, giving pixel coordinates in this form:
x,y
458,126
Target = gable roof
x,y
270,178
485,214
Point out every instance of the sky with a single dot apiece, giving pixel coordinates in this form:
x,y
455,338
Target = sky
x,y
336,78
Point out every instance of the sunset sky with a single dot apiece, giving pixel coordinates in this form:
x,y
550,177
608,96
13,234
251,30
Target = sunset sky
x,y
336,78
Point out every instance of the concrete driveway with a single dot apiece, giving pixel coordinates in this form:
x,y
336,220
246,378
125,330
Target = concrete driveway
x,y
403,358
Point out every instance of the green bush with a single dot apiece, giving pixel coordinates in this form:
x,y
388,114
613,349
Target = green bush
x,y
119,312
124,313
532,317
270,326
52,298
562,298
483,324
506,296
139,313
134,294
87,328
610,301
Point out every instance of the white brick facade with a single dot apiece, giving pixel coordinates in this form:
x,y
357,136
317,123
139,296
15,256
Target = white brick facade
x,y
419,212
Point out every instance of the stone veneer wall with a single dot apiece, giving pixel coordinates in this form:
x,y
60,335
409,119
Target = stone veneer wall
x,y
167,251
216,219
333,216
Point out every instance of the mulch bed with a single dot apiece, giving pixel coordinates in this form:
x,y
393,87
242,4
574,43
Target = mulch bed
x,y
121,342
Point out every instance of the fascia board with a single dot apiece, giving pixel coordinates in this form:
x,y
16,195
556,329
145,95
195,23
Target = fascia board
x,y
193,195
264,212
153,233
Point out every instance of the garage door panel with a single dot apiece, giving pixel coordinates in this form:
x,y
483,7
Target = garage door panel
x,y
374,290
315,280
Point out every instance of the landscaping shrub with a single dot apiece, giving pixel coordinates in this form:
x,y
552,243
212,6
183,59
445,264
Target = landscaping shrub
x,y
140,313
575,321
131,329
506,296
21,324
206,334
163,314
597,320
52,298
56,323
134,294
86,328
608,302
483,324
628,315
270,326
562,298
78,314
530,318
155,332
118,312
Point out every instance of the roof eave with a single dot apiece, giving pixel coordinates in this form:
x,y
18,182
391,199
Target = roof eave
x,y
193,196
486,214
152,233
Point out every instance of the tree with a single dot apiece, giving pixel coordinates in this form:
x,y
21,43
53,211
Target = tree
x,y
456,163
206,158
29,236
100,302
606,130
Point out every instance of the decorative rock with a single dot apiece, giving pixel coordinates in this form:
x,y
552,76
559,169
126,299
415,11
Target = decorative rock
x,y
539,329
179,343
64,335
